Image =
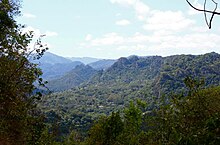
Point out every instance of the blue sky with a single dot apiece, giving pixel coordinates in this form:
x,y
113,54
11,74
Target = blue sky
x,y
116,28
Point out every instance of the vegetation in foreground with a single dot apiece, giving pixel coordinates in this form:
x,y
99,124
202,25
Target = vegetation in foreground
x,y
176,119
191,118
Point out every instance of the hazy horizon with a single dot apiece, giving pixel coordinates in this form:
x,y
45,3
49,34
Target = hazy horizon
x,y
111,29
69,57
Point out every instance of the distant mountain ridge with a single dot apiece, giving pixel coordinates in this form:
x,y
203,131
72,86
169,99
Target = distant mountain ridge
x,y
55,66
85,60
75,77
102,64
51,58
53,71
157,71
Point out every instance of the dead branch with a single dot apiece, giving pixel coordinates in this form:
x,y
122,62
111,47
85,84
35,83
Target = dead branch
x,y
208,22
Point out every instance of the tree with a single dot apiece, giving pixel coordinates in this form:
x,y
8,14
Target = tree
x,y
107,130
212,12
188,119
132,120
19,119
124,128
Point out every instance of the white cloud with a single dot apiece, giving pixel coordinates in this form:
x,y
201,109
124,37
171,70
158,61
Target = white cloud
x,y
167,20
123,22
187,44
199,29
108,39
51,34
157,20
37,33
138,38
192,11
118,14
124,2
29,15
88,37
210,5
157,43
112,39
132,48
167,33
141,9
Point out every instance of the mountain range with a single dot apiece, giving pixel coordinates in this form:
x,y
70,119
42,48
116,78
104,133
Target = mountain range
x,y
160,72
54,66
85,60
84,93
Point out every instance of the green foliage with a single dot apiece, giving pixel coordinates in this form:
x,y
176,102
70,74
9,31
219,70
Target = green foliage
x,y
127,79
117,128
75,77
73,139
191,119
133,119
179,119
186,118
176,68
19,119
106,130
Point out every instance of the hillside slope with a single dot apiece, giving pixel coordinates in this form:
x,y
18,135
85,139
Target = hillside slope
x,y
129,79
75,77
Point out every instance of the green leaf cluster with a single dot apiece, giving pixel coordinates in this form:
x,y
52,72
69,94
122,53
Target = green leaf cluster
x,y
179,119
20,121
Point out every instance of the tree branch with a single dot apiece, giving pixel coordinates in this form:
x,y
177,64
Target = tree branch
x,y
209,24
207,11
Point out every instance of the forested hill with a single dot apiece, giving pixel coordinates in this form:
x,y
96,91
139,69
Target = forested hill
x,y
129,101
127,79
162,74
75,77
165,74
176,68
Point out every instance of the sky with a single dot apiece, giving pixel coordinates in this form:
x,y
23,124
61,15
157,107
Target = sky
x,y
120,28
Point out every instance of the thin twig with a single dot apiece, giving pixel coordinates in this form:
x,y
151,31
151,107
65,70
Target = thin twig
x,y
209,24
207,11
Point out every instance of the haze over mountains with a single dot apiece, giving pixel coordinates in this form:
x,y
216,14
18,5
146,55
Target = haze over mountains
x,y
63,73
54,66
85,60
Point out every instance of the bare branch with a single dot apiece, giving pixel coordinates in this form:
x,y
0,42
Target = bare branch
x,y
207,11
209,23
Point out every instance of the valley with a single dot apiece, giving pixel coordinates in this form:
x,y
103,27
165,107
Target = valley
x,y
84,93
